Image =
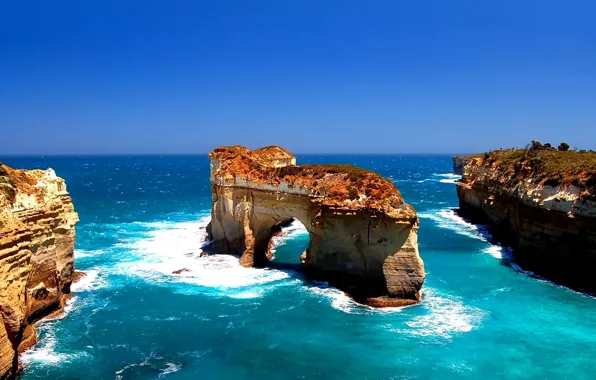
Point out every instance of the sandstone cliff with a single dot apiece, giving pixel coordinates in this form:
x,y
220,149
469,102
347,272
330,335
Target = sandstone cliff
x,y
459,162
540,202
36,256
363,236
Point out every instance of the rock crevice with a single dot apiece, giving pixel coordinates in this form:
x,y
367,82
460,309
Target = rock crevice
x,y
363,236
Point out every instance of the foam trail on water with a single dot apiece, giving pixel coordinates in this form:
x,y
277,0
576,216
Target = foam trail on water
x,y
447,218
169,247
340,301
91,281
447,177
446,316
45,352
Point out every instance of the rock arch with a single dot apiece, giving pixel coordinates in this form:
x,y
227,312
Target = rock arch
x,y
363,236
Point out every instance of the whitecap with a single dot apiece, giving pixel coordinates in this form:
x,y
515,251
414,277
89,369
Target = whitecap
x,y
170,368
495,251
91,281
447,175
45,353
177,246
446,315
448,219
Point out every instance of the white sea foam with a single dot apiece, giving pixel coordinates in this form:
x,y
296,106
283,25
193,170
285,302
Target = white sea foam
x,y
151,361
170,368
446,315
168,247
44,353
288,233
340,301
495,251
447,218
83,253
91,281
447,177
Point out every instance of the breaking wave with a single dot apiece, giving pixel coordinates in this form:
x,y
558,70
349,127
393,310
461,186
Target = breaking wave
x,y
447,177
443,316
173,252
91,281
45,353
448,219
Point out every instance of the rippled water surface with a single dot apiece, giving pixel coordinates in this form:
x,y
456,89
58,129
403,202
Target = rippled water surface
x,y
144,217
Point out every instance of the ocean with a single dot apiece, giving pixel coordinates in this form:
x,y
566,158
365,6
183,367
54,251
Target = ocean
x,y
142,218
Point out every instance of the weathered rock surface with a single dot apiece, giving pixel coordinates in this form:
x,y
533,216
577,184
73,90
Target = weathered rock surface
x,y
459,162
551,228
37,236
363,236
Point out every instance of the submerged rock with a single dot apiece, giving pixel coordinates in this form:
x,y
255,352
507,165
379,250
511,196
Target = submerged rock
x,y
37,237
363,236
180,271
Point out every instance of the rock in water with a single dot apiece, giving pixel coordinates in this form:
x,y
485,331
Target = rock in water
x,y
363,236
37,237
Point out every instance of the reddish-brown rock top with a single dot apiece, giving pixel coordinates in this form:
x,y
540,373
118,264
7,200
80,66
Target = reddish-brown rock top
x,y
362,235
341,186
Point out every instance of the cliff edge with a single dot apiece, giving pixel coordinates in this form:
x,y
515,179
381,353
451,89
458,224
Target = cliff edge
x,y
542,203
37,237
363,236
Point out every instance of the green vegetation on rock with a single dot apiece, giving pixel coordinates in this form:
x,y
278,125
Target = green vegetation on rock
x,y
546,165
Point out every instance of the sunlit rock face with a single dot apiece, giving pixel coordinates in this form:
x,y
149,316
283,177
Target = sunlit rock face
x,y
363,236
551,228
37,237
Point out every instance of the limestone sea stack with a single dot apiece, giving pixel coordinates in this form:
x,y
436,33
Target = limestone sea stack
x,y
37,237
542,203
363,236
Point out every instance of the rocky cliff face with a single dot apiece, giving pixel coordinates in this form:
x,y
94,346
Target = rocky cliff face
x,y
37,236
459,162
363,236
550,224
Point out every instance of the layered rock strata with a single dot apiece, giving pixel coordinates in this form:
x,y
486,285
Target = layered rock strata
x,y
547,215
363,236
37,237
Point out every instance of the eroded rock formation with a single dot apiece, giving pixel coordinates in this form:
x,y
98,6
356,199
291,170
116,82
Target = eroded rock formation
x,y
459,162
37,236
542,205
363,236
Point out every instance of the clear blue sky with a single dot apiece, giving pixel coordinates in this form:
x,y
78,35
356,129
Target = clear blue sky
x,y
314,76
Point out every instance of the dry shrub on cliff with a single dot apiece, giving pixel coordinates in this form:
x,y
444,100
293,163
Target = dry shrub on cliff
x,y
547,166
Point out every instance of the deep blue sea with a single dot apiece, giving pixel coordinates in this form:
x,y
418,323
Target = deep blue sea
x,y
143,218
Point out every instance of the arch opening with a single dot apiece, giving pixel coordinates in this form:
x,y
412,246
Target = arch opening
x,y
284,246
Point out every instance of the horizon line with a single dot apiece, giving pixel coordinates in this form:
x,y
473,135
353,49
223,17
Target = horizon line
x,y
206,153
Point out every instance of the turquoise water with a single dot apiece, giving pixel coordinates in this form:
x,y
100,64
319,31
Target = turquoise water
x,y
144,217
